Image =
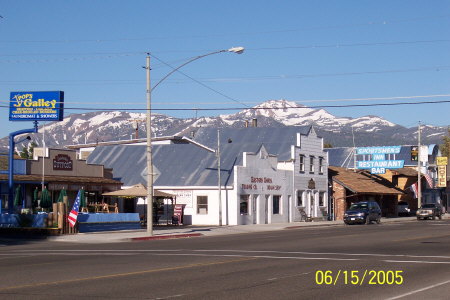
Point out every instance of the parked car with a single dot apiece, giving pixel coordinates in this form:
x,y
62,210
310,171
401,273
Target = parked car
x,y
403,208
430,210
363,213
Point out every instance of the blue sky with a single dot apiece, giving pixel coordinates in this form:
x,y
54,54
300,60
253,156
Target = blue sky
x,y
302,51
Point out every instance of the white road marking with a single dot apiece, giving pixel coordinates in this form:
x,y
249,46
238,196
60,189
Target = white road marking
x,y
419,290
418,261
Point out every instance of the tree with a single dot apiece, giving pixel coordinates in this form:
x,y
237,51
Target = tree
x,y
445,147
28,151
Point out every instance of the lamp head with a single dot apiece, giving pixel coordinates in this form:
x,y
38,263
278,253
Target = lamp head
x,y
238,50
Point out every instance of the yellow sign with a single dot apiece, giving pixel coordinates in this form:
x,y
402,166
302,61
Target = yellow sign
x,y
441,160
442,176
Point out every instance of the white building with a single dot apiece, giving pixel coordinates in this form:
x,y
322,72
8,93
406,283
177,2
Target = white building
x,y
267,175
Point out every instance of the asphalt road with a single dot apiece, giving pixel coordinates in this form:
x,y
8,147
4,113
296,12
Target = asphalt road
x,y
408,260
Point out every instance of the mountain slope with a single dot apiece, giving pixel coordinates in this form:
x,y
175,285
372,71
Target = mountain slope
x,y
339,131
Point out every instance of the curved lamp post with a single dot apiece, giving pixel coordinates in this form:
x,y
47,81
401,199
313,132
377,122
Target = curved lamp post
x,y
12,144
237,50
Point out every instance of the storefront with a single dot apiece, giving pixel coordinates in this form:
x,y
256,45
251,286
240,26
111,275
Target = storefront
x,y
59,170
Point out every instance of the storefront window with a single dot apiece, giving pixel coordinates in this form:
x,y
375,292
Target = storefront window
x,y
243,206
276,204
322,199
299,198
202,205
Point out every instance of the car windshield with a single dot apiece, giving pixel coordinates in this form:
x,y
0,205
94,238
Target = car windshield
x,y
428,206
359,206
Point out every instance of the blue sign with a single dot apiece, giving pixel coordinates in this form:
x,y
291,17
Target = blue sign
x,y
379,150
36,106
387,164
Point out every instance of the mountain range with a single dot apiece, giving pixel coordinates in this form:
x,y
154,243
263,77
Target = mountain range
x,y
106,126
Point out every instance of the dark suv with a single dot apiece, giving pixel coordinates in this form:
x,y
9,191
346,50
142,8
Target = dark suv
x,y
363,212
430,210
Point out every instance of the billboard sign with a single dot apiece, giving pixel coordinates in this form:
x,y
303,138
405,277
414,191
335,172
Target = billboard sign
x,y
377,162
36,106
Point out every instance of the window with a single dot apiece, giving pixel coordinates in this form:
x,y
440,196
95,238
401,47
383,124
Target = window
x,y
320,165
299,198
321,198
243,205
202,205
276,204
302,163
311,164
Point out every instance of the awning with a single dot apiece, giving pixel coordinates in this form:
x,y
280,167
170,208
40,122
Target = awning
x,y
137,190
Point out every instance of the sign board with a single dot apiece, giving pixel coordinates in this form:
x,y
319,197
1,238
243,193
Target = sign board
x,y
36,106
379,150
442,176
183,197
62,162
378,162
441,160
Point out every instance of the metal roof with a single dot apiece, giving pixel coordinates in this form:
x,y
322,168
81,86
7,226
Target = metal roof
x,y
191,165
278,140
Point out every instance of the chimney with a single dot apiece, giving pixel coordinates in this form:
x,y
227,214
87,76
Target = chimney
x,y
254,123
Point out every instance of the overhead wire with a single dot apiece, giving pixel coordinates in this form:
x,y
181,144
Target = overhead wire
x,y
253,108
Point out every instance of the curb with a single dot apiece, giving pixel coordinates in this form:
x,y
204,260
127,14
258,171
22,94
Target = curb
x,y
165,237
313,225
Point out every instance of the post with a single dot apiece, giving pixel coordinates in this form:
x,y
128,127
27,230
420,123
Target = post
x,y
219,183
12,144
149,153
419,177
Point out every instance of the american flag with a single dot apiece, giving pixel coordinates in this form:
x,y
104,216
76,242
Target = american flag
x,y
414,189
429,180
74,212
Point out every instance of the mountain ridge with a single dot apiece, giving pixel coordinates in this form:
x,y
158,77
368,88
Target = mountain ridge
x,y
338,131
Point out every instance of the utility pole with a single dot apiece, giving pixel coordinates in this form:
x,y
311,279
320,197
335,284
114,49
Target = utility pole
x,y
149,153
419,177
219,183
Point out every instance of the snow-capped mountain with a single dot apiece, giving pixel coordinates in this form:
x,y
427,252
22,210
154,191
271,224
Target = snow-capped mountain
x,y
339,131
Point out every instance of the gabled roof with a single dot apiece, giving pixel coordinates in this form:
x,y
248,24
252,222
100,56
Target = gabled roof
x,y
363,182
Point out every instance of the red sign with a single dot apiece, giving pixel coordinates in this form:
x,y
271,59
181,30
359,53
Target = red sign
x,y
62,162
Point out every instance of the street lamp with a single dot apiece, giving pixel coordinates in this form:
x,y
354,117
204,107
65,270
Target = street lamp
x,y
237,50
12,144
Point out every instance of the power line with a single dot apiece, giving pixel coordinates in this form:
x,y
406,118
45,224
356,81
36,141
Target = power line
x,y
133,53
254,108
109,103
369,23
234,79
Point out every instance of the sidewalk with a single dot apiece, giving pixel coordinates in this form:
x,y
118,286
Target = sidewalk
x,y
171,232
